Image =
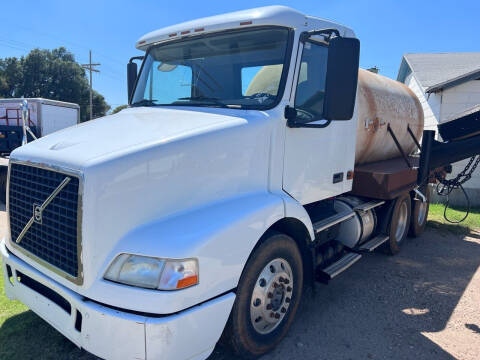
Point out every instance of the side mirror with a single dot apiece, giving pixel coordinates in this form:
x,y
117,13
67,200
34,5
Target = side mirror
x,y
342,78
131,77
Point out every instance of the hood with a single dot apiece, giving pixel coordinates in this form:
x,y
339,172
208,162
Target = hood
x,y
143,165
128,131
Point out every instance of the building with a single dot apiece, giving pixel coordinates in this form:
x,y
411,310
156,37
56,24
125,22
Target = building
x,y
447,84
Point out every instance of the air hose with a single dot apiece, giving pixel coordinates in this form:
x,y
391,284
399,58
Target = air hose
x,y
446,186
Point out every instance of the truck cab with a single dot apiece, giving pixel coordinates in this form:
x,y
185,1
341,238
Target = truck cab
x,y
233,191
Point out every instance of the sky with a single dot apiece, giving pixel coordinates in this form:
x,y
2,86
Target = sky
x,y
386,28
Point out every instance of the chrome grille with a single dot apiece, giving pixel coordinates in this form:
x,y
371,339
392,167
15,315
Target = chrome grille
x,y
52,239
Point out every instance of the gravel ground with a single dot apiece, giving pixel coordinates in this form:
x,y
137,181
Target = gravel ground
x,y
423,303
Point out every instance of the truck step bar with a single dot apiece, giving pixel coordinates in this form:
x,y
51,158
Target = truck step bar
x,y
345,215
374,243
338,267
333,220
369,205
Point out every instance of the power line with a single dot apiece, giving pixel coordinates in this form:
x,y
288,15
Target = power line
x,y
91,68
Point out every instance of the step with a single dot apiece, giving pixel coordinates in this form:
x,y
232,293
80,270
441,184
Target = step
x,y
340,265
374,243
369,205
333,220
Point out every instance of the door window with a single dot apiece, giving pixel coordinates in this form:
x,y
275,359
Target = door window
x,y
310,94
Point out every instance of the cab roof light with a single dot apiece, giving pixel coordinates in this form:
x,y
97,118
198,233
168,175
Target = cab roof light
x,y
199,29
246,23
142,42
185,32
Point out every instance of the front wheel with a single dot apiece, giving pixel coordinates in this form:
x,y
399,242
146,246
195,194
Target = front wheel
x,y
268,296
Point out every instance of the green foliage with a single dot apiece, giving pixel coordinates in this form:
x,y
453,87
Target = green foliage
x,y
437,221
118,108
51,74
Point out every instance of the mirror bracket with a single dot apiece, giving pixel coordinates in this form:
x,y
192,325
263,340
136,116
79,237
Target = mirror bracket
x,y
304,36
291,115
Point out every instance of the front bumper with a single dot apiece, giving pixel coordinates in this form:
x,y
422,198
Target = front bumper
x,y
111,333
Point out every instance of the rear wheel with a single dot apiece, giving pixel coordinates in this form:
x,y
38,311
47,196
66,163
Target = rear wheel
x,y
399,223
268,295
419,214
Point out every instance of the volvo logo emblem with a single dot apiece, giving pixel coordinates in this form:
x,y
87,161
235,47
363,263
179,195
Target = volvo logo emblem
x,y
37,216
37,213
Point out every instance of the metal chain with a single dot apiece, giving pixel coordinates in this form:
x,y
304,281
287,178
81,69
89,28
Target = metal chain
x,y
451,184
448,185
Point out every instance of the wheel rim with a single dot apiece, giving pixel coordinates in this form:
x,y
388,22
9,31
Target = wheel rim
x,y
402,221
422,212
271,296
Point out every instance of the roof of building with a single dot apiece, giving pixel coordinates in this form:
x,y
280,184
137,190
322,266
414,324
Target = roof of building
x,y
267,15
438,71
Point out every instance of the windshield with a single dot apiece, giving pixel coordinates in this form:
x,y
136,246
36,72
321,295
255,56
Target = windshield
x,y
242,69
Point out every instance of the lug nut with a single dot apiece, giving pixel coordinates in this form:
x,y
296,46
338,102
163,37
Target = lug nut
x,y
270,295
277,316
272,314
283,310
287,281
289,288
281,279
287,300
276,285
269,306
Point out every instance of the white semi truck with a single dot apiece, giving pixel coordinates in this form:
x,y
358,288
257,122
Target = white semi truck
x,y
254,158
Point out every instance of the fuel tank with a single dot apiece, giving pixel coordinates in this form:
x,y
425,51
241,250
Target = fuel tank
x,y
382,102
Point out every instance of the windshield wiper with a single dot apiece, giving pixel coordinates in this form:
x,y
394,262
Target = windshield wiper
x,y
210,100
144,102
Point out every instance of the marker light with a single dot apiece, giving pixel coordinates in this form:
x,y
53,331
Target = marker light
x,y
153,273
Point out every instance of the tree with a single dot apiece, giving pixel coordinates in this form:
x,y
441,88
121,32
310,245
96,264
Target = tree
x,y
118,108
51,74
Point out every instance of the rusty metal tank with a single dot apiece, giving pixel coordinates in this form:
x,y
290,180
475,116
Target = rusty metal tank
x,y
382,102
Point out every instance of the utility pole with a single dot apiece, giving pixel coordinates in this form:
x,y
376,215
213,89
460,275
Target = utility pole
x,y
90,68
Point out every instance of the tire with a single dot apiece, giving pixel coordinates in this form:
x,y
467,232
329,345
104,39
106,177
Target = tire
x,y
399,223
251,330
419,218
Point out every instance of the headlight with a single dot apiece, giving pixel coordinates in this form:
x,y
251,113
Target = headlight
x,y
153,273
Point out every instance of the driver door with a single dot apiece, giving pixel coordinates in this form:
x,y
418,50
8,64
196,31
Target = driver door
x,y
318,161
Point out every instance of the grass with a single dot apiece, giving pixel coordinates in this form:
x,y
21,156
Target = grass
x,y
437,221
23,335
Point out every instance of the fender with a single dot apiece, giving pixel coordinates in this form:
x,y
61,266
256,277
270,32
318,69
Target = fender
x,y
293,209
221,236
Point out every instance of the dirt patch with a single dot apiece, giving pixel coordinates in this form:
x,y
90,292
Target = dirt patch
x,y
421,304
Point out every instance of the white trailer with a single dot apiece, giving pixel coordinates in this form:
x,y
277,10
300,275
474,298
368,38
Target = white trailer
x,y
254,158
44,117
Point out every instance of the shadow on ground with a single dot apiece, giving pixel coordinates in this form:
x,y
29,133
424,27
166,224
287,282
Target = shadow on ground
x,y
453,228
